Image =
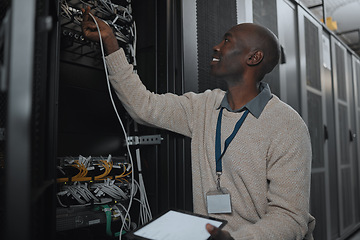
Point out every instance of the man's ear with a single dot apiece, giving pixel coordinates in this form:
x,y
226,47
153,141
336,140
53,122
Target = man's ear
x,y
254,57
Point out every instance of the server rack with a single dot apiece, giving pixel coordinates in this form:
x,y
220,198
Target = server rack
x,y
28,182
4,19
347,169
82,86
313,110
289,40
333,222
356,90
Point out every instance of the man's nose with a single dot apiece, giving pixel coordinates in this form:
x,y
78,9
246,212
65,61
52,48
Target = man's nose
x,y
216,48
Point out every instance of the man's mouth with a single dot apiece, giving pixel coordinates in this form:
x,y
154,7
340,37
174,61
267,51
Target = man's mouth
x,y
216,59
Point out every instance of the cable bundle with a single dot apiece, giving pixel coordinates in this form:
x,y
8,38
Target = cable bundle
x,y
76,194
109,188
145,212
118,17
93,169
93,181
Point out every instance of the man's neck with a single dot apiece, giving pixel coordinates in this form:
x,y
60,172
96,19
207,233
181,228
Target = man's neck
x,y
241,94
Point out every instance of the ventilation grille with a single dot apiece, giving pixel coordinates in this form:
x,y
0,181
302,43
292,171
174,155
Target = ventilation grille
x,y
340,72
318,208
312,55
316,129
4,6
39,110
214,18
344,134
357,69
347,196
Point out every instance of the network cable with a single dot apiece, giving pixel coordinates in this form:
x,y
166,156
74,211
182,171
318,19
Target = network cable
x,y
122,125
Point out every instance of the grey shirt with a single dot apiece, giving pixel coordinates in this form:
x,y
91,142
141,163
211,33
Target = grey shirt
x,y
256,105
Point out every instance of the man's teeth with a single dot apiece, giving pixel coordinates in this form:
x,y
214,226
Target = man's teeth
x,y
216,60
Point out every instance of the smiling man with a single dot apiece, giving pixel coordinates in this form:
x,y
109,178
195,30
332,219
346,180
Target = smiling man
x,y
251,152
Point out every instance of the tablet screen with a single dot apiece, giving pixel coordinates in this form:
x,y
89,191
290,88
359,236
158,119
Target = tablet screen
x,y
177,225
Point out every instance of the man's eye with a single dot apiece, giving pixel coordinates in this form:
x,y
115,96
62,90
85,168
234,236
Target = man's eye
x,y
226,40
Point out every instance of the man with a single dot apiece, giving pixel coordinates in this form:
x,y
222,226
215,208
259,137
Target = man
x,y
247,145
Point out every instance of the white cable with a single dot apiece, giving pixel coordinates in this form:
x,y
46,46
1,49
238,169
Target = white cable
x,y
143,197
135,36
127,213
145,213
122,125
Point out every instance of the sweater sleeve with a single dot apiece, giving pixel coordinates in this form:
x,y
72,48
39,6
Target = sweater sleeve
x,y
168,111
288,176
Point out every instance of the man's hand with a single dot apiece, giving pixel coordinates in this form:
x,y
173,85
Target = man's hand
x,y
91,32
218,234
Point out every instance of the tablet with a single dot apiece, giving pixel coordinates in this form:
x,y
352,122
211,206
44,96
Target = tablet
x,y
176,225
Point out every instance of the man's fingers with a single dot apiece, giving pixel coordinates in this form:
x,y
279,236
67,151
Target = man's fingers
x,y
211,229
89,25
87,18
218,234
85,13
89,30
92,36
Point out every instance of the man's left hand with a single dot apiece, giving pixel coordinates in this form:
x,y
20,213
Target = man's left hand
x,y
218,234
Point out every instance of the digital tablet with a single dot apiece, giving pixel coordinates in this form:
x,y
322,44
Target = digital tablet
x,y
176,225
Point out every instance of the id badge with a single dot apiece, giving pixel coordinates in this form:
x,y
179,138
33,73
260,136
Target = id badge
x,y
218,201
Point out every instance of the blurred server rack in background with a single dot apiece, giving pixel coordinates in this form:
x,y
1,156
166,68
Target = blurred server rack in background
x,y
27,75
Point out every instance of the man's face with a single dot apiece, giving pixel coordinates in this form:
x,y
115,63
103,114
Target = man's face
x,y
229,55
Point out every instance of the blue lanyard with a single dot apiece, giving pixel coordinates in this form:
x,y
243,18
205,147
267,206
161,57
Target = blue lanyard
x,y
218,154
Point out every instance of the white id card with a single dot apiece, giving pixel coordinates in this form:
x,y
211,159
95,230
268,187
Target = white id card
x,y
218,201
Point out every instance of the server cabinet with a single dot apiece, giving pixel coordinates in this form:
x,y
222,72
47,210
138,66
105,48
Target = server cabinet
x,y
28,158
87,124
356,135
313,110
346,168
330,136
20,82
289,63
352,137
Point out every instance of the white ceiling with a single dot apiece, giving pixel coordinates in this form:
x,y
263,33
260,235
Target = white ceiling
x,y
347,15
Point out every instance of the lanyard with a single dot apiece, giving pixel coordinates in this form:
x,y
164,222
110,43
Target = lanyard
x,y
218,154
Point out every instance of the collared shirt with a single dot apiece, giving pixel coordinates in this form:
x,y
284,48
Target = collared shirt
x,y
256,105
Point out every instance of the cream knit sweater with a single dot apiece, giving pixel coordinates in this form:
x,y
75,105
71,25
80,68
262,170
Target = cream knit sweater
x,y
266,167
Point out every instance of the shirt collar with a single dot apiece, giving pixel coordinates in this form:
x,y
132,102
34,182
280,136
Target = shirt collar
x,y
256,105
